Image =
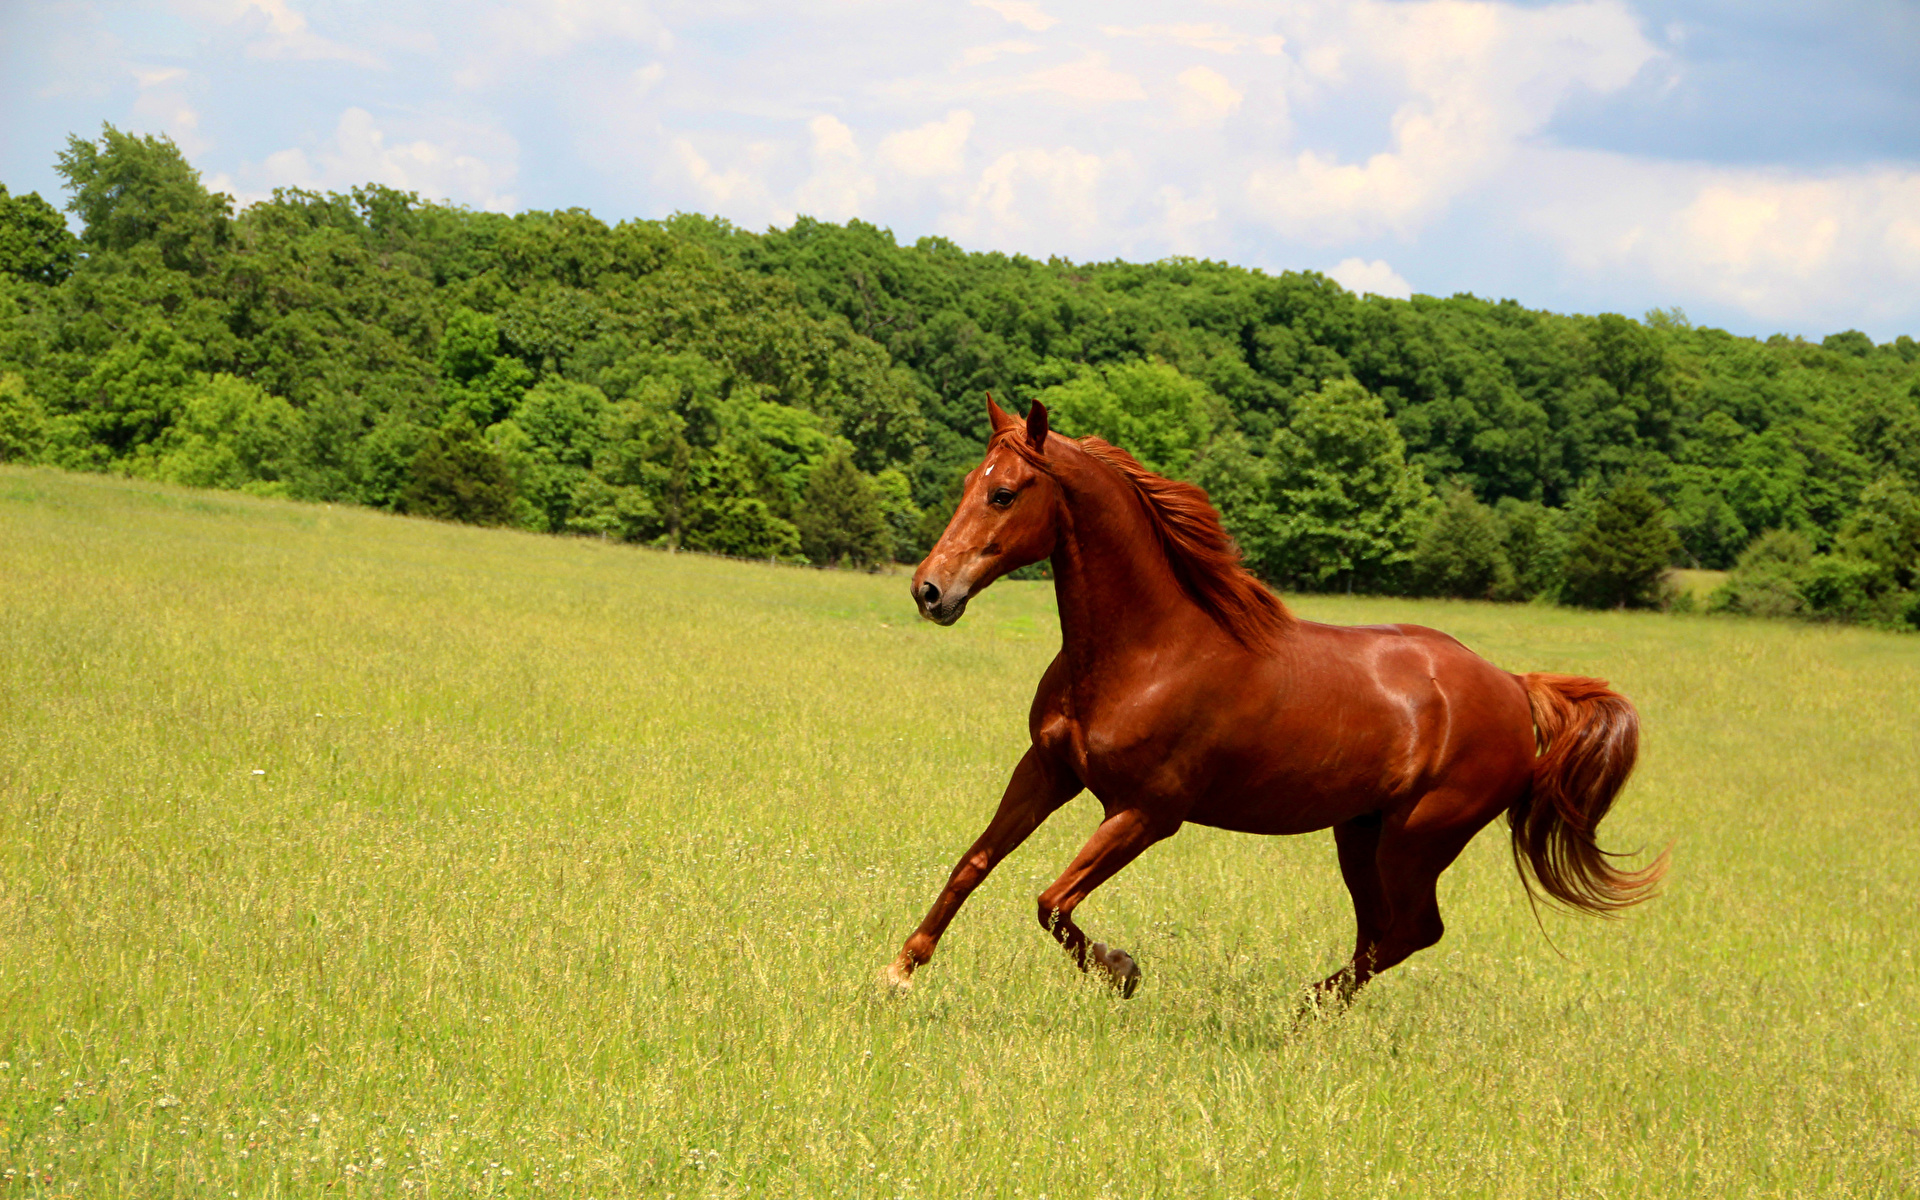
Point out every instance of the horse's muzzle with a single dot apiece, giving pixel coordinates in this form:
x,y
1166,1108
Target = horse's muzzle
x,y
940,607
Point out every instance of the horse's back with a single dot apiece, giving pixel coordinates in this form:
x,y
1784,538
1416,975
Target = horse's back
x,y
1415,649
1362,718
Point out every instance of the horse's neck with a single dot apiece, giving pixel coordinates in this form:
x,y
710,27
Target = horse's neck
x,y
1116,591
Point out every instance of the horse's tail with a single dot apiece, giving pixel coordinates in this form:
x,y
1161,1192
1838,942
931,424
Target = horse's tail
x,y
1588,737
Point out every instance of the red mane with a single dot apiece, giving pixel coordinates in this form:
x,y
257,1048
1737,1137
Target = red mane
x,y
1201,552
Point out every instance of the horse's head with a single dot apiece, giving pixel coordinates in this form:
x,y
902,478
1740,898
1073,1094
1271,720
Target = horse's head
x,y
1008,517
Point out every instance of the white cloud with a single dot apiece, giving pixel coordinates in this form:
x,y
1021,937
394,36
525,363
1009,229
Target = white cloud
x,y
1185,217
152,77
1479,80
979,55
1035,191
1021,13
276,30
514,36
1218,39
466,164
1089,80
173,116
1361,277
289,37
1842,248
838,188
1205,94
733,193
936,148
164,107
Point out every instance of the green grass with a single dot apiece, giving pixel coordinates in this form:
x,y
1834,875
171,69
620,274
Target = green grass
x,y
1698,584
349,855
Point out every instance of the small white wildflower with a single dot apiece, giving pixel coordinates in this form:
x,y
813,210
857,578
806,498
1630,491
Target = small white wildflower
x,y
259,772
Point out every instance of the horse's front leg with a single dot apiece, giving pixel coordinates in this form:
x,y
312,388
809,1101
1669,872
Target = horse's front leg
x,y
1120,839
1038,788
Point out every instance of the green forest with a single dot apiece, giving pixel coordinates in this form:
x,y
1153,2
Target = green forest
x,y
815,393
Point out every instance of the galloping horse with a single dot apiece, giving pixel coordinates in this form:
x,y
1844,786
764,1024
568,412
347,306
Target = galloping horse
x,y
1184,691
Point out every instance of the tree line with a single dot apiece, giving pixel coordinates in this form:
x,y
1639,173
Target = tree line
x,y
815,393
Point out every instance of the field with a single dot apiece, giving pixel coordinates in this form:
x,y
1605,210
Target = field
x,y
342,854
1698,584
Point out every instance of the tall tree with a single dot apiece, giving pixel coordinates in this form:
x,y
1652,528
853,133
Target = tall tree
x,y
130,190
1161,416
1332,503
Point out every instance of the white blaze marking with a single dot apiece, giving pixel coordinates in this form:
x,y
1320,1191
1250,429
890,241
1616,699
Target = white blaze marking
x,y
989,468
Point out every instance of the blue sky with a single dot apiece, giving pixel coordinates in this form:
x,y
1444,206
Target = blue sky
x,y
1756,164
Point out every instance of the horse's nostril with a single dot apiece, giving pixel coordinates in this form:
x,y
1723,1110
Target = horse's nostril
x,y
929,593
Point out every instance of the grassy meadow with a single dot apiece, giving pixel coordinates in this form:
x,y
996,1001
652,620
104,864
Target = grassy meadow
x,y
343,854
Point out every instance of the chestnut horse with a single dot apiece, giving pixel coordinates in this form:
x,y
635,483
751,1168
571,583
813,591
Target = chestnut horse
x,y
1184,691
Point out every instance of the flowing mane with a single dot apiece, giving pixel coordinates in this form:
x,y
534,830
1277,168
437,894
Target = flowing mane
x,y
1198,547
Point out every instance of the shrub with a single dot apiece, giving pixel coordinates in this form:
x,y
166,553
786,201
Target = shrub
x,y
1621,551
457,477
902,515
229,434
840,520
1767,581
1462,553
22,421
742,526
1535,544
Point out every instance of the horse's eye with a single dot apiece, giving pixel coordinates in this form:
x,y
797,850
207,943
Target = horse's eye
x,y
1001,497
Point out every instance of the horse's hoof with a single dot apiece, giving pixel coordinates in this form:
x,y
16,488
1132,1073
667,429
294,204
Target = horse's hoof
x,y
1122,972
896,979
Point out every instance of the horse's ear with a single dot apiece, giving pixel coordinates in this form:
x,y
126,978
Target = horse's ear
x,y
1037,425
1002,420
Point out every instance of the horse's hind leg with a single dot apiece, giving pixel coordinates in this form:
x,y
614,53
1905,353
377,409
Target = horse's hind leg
x,y
1119,840
1410,850
1358,842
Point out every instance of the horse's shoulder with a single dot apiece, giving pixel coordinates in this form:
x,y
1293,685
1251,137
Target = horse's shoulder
x,y
1052,709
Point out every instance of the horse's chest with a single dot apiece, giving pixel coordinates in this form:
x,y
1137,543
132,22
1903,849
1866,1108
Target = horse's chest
x,y
1141,744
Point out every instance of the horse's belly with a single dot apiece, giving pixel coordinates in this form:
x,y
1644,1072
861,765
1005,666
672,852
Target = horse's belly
x,y
1278,811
